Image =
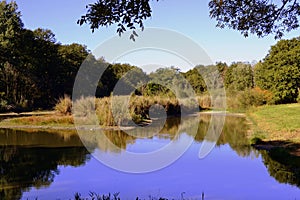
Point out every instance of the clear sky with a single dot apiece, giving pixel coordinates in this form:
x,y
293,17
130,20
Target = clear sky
x,y
188,17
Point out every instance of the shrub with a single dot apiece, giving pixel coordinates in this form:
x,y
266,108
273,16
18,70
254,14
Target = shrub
x,y
205,101
251,97
64,106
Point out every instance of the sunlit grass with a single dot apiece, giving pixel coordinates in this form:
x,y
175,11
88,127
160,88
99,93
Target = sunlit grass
x,y
40,120
277,122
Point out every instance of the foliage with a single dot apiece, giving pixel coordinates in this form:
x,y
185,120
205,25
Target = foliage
x,y
239,77
35,70
280,71
283,166
126,14
248,17
196,81
256,17
243,100
125,75
168,82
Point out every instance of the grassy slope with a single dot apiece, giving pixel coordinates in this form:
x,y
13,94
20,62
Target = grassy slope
x,y
277,122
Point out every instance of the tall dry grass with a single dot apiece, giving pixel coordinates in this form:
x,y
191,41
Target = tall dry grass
x,y
64,105
121,110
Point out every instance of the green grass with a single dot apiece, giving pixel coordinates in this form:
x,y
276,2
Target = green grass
x,y
277,122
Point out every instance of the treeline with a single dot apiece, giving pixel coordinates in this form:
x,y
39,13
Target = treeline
x,y
36,70
274,80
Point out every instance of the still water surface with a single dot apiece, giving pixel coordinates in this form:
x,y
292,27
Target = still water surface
x,y
56,165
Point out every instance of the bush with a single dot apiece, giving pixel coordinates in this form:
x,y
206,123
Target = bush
x,y
251,97
64,106
205,101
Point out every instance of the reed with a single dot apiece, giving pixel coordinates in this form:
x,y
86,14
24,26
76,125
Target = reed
x,y
121,110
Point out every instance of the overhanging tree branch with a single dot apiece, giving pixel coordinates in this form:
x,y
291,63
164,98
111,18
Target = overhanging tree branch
x,y
260,17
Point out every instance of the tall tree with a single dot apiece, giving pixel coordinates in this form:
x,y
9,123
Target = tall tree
x,y
239,76
10,34
196,80
71,58
280,71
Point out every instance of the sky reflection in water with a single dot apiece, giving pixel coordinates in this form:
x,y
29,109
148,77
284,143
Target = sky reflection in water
x,y
231,171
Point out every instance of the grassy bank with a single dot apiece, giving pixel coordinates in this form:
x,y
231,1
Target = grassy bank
x,y
45,120
276,122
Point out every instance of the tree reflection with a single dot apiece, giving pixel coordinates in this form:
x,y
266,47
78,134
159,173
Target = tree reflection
x,y
29,159
234,133
26,166
284,167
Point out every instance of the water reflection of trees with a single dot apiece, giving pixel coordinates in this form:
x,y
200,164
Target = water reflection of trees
x,y
284,167
29,159
234,133
25,164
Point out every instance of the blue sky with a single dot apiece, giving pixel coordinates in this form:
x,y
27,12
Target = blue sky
x,y
189,17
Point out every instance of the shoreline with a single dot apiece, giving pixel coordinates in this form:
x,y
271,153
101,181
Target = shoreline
x,y
10,125
292,147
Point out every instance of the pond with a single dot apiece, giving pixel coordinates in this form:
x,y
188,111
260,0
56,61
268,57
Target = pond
x,y
56,165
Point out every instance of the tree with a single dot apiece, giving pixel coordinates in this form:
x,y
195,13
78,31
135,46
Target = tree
x,y
260,17
280,71
35,70
110,77
11,28
123,13
45,35
71,57
239,77
196,80
10,24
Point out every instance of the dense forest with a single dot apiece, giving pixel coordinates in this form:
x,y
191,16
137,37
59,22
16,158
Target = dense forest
x,y
36,70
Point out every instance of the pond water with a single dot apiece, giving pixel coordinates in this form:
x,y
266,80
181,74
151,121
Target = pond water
x,y
56,165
